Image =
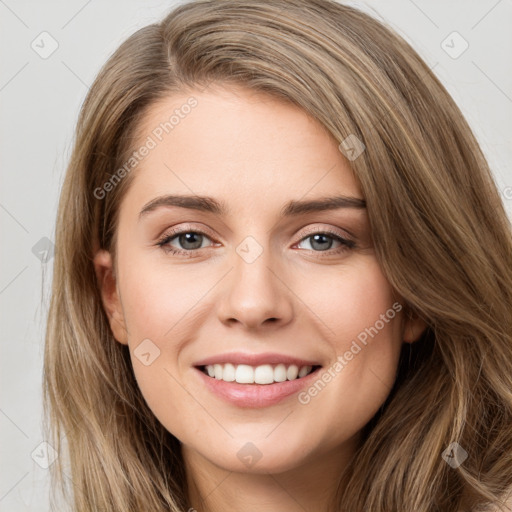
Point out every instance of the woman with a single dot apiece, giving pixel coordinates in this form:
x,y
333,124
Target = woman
x,y
263,367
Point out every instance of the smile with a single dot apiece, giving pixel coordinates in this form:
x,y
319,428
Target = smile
x,y
263,374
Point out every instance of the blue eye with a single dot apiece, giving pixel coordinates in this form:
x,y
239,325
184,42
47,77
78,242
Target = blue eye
x,y
192,240
319,240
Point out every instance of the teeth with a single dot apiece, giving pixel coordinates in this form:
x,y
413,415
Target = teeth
x,y
292,372
264,374
304,371
244,374
228,373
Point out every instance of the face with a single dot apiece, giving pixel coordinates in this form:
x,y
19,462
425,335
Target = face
x,y
222,301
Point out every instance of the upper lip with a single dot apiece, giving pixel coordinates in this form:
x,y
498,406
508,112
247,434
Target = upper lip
x,y
255,359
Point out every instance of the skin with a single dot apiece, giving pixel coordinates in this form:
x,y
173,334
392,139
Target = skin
x,y
255,153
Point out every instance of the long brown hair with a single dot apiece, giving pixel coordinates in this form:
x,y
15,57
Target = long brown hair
x,y
439,228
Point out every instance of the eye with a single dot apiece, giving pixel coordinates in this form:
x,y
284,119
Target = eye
x,y
322,241
189,240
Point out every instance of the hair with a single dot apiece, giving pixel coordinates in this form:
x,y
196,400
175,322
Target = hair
x,y
440,232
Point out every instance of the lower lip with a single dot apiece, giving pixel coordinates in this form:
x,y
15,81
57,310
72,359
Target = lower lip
x,y
255,395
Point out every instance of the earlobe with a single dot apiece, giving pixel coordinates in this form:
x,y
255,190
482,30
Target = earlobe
x,y
107,283
414,327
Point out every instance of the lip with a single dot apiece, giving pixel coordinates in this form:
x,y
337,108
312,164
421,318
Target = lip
x,y
255,395
256,359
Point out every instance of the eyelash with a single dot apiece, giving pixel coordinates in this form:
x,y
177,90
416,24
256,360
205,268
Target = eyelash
x,y
346,244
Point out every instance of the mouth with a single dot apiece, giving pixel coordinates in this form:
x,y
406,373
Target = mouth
x,y
246,386
266,374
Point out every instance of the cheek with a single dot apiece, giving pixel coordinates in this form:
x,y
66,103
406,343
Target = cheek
x,y
371,327
362,321
157,298
157,308
161,304
349,302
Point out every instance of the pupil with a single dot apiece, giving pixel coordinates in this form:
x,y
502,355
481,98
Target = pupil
x,y
322,246
188,238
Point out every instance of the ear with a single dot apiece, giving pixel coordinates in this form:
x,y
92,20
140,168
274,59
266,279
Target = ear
x,y
413,327
107,282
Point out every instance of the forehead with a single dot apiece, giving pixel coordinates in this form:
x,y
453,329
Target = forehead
x,y
242,146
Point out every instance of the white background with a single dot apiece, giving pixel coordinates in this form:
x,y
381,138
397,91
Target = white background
x,y
40,100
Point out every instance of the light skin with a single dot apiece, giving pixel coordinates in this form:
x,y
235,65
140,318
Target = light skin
x,y
254,154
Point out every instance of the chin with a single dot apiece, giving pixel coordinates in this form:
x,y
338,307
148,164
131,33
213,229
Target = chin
x,y
259,457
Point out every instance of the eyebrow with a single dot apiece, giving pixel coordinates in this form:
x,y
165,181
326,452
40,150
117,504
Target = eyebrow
x,y
211,205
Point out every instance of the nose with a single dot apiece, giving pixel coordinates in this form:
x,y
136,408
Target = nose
x,y
256,293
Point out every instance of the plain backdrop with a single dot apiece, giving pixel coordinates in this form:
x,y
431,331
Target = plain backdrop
x,y
50,54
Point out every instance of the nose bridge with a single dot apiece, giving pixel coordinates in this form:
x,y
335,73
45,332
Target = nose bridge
x,y
255,292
